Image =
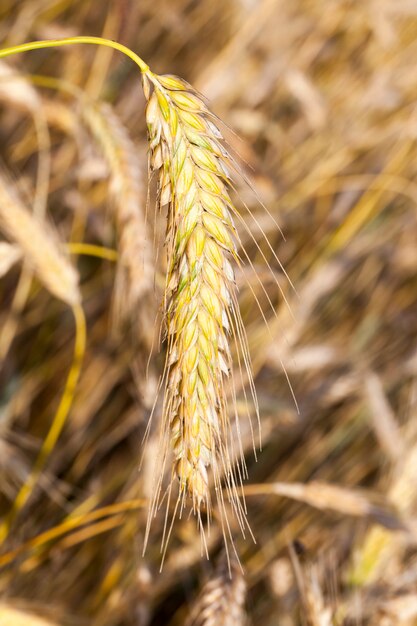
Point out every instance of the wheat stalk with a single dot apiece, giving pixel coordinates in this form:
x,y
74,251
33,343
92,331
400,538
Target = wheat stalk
x,y
39,245
200,305
202,315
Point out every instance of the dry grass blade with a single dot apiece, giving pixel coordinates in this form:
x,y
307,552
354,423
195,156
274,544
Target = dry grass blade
x,y
221,600
383,419
39,245
330,497
201,310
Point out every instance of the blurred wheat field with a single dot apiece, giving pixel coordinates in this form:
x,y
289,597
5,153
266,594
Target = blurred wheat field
x,y
318,101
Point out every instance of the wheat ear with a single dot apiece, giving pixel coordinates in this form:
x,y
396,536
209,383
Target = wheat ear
x,y
221,600
135,275
200,304
39,245
201,308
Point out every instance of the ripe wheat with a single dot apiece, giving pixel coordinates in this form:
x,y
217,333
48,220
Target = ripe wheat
x,y
135,275
200,305
221,600
201,311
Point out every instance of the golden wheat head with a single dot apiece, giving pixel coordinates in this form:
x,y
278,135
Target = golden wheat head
x,y
200,304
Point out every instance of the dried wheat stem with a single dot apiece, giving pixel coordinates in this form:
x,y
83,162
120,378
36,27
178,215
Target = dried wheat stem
x,y
201,309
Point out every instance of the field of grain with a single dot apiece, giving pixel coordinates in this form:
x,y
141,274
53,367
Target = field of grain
x,y
275,482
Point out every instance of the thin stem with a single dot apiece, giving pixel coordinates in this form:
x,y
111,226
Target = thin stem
x,y
71,524
55,43
90,249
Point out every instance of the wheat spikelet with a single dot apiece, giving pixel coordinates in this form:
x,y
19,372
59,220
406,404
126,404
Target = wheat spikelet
x,y
39,245
135,274
221,600
200,304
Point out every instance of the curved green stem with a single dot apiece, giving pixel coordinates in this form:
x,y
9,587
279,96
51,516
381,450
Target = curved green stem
x,y
54,43
92,250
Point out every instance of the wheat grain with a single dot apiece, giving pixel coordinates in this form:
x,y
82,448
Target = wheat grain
x,y
201,310
39,245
